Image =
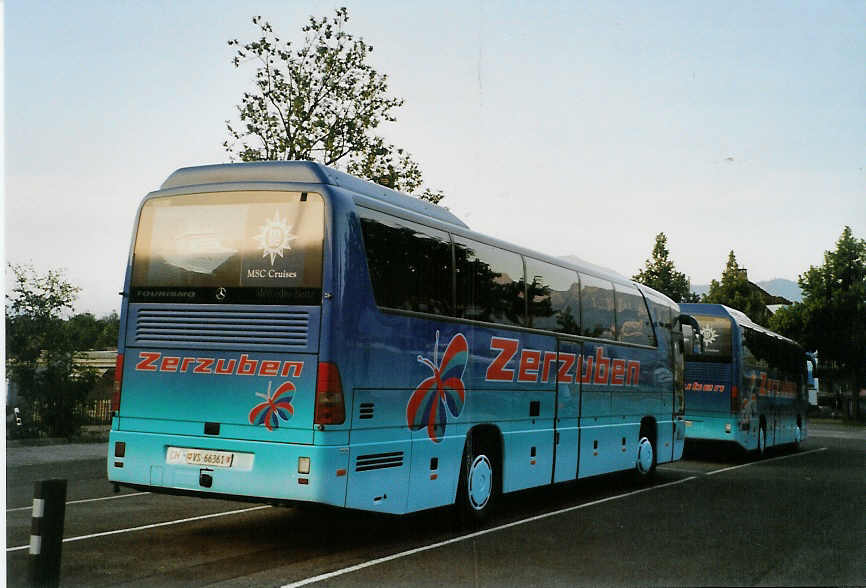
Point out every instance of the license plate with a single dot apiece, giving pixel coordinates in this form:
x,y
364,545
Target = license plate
x,y
199,457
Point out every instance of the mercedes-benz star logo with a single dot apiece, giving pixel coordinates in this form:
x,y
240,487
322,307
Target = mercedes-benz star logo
x,y
221,294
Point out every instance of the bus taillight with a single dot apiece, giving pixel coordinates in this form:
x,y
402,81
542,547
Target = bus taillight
x,y
330,408
118,380
735,399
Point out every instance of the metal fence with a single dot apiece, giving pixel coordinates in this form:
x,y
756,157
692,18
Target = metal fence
x,y
88,412
94,412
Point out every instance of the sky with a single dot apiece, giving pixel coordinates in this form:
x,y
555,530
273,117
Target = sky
x,y
572,128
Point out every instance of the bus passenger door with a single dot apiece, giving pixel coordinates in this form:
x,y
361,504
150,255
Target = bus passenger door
x,y
567,412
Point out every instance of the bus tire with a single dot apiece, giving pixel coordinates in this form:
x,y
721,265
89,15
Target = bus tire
x,y
478,485
645,464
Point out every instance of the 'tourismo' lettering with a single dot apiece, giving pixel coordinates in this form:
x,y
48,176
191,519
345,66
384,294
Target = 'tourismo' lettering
x,y
534,366
153,361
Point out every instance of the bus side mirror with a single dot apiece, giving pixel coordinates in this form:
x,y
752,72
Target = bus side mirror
x,y
690,343
693,339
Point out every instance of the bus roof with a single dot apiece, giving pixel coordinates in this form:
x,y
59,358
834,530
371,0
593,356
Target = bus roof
x,y
306,172
738,316
250,175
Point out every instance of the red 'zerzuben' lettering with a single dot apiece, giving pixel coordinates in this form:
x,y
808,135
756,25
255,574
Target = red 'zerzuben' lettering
x,y
534,365
247,366
203,365
169,364
497,372
567,362
549,358
585,369
269,367
148,359
602,366
292,369
154,361
633,378
617,374
530,361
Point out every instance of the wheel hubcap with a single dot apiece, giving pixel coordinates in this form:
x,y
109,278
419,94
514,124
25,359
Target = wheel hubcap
x,y
480,482
644,455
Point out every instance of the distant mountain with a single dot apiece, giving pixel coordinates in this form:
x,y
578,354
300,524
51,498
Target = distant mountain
x,y
777,287
700,289
782,287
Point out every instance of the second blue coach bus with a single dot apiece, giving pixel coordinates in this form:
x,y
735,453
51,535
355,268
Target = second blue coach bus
x,y
748,387
292,333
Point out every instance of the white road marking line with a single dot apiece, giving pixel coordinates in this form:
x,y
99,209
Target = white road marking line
x,y
85,500
143,527
751,463
381,560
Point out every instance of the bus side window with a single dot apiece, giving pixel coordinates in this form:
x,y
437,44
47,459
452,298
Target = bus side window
x,y
632,319
409,264
490,283
554,297
596,307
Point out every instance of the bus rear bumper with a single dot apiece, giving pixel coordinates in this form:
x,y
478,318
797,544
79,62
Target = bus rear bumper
x,y
252,469
715,429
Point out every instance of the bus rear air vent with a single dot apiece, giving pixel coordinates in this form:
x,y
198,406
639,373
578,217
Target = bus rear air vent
x,y
379,461
366,410
203,326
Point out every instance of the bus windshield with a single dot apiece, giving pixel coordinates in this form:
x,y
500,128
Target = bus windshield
x,y
717,339
254,247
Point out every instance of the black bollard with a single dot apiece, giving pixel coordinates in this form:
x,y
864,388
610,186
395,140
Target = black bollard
x,y
46,532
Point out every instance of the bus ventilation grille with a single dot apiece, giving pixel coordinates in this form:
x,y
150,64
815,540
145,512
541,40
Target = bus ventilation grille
x,y
707,372
379,461
254,329
366,411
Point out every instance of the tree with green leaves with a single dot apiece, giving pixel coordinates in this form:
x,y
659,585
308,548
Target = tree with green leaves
x,y
90,333
660,274
832,316
40,354
735,291
320,100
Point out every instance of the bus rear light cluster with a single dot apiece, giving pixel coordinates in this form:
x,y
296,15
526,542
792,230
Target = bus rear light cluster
x,y
735,399
304,465
330,407
118,381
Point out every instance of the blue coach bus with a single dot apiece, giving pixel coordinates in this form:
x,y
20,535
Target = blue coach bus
x,y
290,333
748,386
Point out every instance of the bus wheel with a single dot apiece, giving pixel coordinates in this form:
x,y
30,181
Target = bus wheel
x,y
477,488
646,458
762,439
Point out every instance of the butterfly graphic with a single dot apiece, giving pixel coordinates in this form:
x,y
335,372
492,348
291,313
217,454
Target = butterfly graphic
x,y
275,407
441,392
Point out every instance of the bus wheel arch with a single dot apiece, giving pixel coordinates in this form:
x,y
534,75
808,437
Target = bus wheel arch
x,y
480,480
647,449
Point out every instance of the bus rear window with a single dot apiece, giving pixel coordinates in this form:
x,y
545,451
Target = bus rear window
x,y
256,247
717,339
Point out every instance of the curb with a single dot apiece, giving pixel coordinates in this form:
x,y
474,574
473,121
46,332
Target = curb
x,y
93,437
